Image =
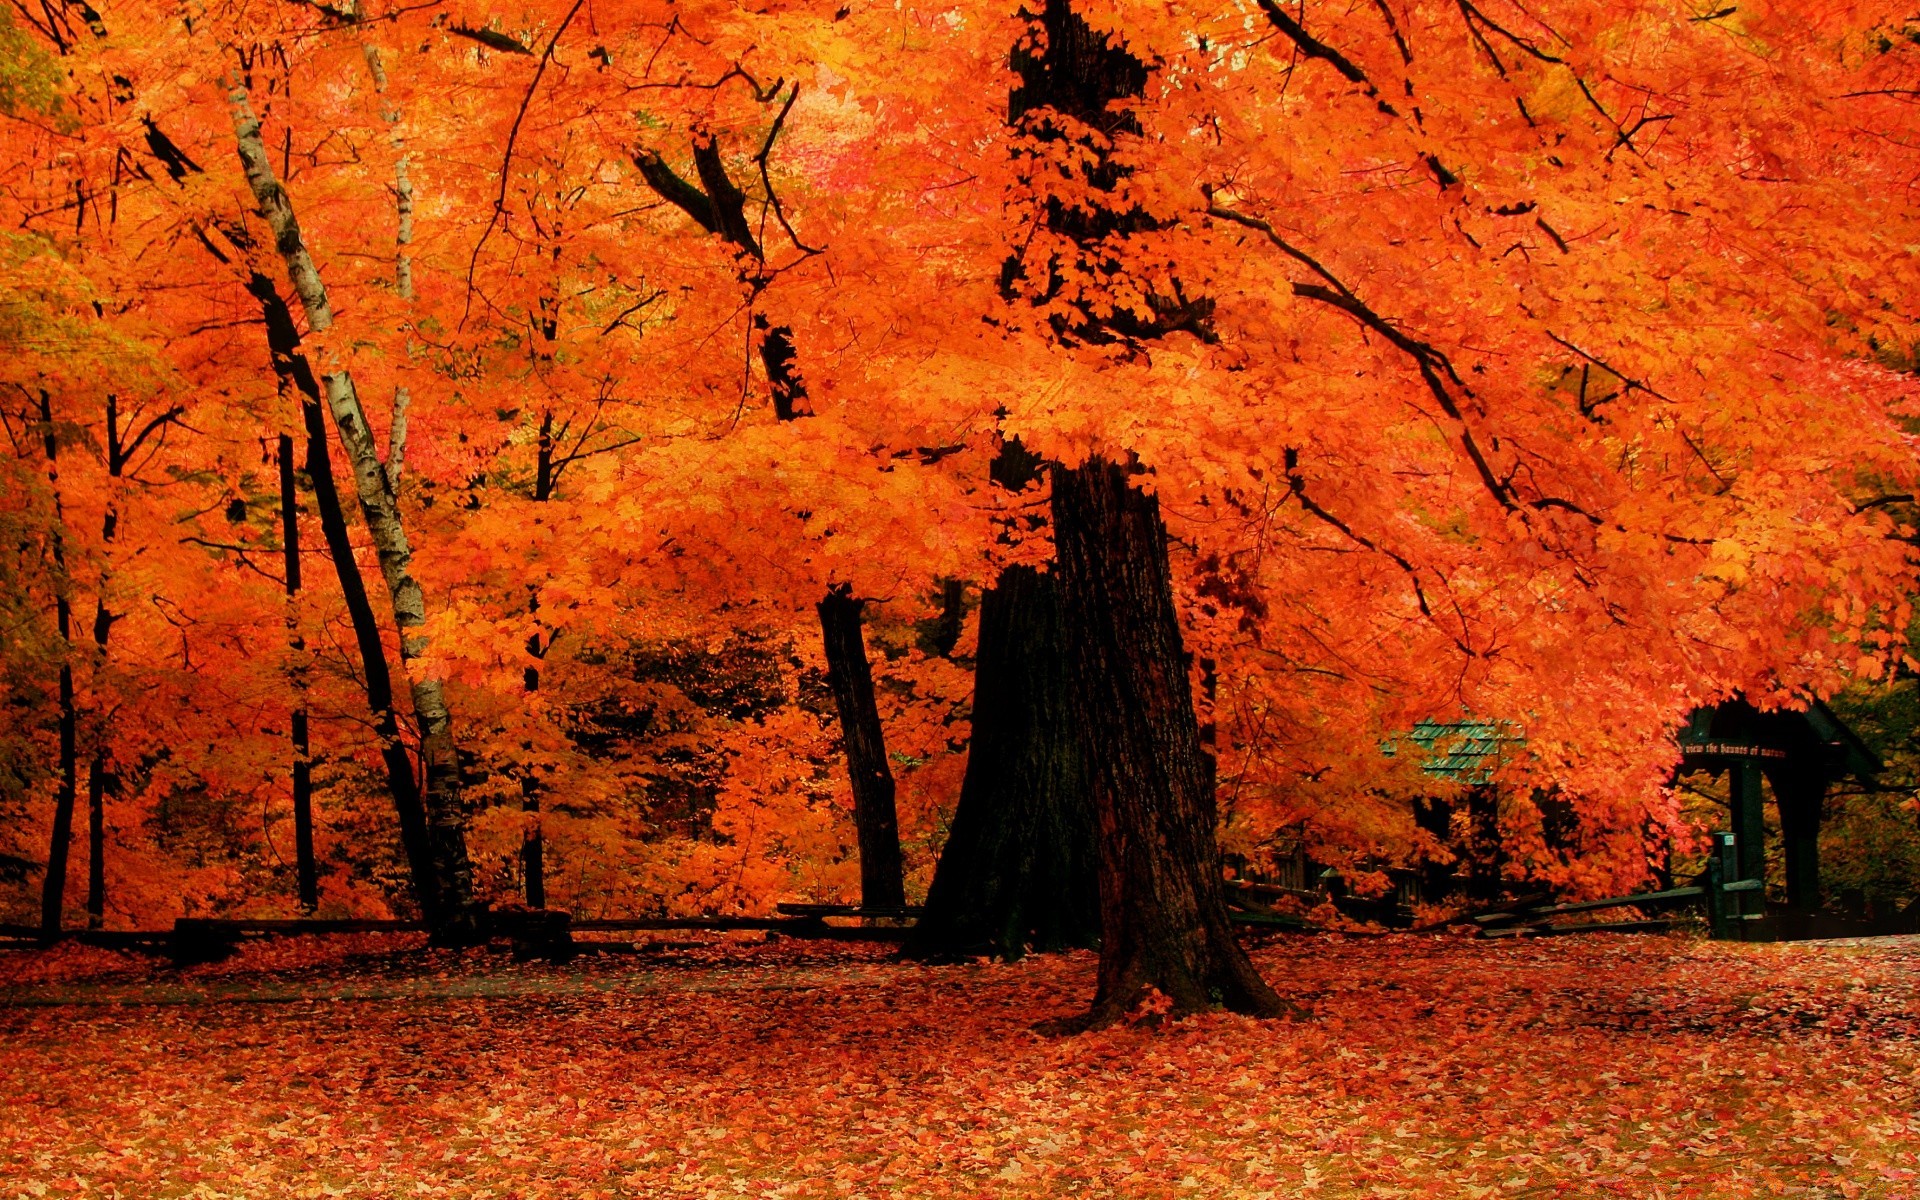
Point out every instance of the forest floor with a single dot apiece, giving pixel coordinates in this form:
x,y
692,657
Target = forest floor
x,y
374,1067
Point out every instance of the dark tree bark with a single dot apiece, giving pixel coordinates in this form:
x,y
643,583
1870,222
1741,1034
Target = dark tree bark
x,y
1163,911
97,838
54,885
306,873
718,205
945,634
101,780
1020,867
533,848
851,680
283,341
1163,914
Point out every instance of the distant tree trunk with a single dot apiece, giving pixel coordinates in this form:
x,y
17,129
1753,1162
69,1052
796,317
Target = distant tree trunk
x,y
1484,849
1163,912
100,779
533,847
306,874
718,205
291,365
451,910
54,885
1020,867
874,816
97,838
1433,816
945,634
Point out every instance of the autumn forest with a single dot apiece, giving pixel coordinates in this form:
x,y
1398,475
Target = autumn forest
x,y
829,585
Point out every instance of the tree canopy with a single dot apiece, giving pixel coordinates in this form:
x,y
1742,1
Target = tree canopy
x,y
1534,362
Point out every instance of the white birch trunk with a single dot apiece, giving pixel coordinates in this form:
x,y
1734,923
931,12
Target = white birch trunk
x,y
402,252
379,505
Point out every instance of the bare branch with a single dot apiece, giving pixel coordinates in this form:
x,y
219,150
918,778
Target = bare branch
x,y
506,161
766,150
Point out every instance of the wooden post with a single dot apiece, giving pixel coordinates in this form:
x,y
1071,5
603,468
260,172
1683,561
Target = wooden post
x,y
1800,795
1722,856
1750,831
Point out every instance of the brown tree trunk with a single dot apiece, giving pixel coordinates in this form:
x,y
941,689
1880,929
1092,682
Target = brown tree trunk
x,y
851,680
533,845
1163,916
1020,867
306,874
1163,913
97,839
451,911
53,890
54,886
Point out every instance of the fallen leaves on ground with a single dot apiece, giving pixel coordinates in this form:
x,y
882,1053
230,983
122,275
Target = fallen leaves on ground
x,y
1428,1067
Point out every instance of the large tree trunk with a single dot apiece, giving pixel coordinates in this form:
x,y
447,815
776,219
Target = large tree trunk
x,y
306,874
1020,867
53,890
1163,911
1163,915
450,910
374,670
851,680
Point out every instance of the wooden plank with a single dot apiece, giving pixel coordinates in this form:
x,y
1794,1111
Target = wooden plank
x,y
796,927
1670,896
849,933
1517,904
119,939
293,925
1274,889
1653,926
905,912
1272,920
638,924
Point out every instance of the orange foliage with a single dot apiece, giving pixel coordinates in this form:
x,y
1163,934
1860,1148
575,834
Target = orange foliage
x,y
1542,384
